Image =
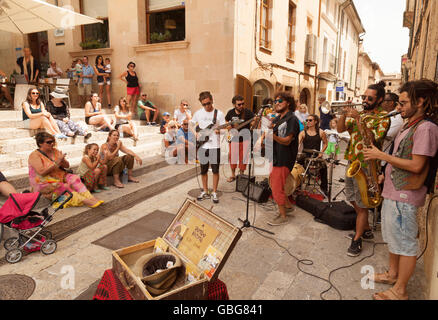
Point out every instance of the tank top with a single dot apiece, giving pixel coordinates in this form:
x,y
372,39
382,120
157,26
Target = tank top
x,y
32,110
132,80
101,70
312,142
83,168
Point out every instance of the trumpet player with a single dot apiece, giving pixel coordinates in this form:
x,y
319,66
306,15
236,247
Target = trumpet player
x,y
409,175
361,132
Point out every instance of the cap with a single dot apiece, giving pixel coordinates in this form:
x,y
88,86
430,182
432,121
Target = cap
x,y
166,114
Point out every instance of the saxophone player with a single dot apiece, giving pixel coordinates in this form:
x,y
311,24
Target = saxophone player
x,y
360,132
409,176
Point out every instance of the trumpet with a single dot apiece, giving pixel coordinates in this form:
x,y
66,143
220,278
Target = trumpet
x,y
337,107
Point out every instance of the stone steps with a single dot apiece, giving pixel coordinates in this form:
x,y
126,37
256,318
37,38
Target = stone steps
x,y
156,177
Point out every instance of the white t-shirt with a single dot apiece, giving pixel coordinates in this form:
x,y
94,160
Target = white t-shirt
x,y
121,121
108,68
180,116
53,73
204,119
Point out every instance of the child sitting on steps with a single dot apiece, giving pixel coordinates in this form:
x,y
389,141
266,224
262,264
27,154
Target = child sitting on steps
x,y
93,170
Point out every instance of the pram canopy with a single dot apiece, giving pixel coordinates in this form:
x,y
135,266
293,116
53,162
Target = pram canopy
x,y
18,205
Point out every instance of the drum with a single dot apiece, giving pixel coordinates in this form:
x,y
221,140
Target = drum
x,y
294,180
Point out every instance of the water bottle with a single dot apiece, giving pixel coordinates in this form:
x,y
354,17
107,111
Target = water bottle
x,y
125,176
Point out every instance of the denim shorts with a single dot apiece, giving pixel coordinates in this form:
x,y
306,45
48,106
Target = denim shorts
x,y
400,227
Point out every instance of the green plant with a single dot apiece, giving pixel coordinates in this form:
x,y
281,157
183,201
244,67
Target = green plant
x,y
159,37
91,44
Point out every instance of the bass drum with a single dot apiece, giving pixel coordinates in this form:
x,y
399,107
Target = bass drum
x,y
294,180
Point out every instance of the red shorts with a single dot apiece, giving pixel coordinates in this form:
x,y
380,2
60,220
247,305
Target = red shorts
x,y
278,178
133,91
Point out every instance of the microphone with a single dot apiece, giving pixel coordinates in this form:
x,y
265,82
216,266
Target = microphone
x,y
392,114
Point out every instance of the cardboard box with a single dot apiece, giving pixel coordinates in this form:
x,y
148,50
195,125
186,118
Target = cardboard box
x,y
202,240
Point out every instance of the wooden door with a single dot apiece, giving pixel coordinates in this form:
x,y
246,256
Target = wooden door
x,y
244,88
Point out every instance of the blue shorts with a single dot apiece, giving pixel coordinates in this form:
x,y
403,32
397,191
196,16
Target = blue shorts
x,y
400,227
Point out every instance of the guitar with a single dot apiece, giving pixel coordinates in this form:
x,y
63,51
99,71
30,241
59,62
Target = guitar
x,y
240,126
205,134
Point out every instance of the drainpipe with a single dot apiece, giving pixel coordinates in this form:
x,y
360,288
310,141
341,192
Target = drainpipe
x,y
316,80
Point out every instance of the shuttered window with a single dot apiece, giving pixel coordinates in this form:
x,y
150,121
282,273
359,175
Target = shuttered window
x,y
95,35
165,20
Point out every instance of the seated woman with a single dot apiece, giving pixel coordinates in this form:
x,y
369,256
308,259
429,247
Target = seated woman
x,y
169,142
93,169
61,113
116,164
48,174
35,115
123,120
95,116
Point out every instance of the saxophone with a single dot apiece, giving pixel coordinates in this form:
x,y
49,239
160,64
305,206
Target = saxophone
x,y
369,188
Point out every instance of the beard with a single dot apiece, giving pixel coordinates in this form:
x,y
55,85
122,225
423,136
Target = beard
x,y
367,106
281,110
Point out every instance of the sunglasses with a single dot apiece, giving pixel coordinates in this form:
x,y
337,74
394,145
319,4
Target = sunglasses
x,y
185,105
369,98
206,104
36,93
185,124
49,141
131,66
240,104
173,127
278,101
309,120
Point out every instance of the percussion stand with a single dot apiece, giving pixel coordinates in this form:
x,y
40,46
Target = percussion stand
x,y
311,160
246,223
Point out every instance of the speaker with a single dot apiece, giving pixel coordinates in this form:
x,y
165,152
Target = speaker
x,y
257,193
242,182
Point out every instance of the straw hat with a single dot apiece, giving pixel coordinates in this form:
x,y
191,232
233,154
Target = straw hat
x,y
157,283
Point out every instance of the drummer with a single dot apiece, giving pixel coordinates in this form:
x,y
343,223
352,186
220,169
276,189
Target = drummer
x,y
5,89
310,139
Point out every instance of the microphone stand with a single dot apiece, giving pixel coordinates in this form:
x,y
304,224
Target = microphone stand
x,y
246,223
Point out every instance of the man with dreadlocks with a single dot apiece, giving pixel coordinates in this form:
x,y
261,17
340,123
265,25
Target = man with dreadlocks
x,y
405,188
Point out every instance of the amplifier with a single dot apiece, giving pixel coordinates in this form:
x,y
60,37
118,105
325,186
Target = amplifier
x,y
257,193
242,182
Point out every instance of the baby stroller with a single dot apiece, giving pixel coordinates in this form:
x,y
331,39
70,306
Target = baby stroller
x,y
16,213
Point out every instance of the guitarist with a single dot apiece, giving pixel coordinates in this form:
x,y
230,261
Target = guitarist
x,y
209,153
241,137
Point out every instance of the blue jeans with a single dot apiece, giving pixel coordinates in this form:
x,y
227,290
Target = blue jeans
x,y
400,227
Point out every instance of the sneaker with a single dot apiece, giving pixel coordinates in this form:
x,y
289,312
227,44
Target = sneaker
x,y
289,211
154,124
214,197
278,221
203,195
355,248
368,235
148,123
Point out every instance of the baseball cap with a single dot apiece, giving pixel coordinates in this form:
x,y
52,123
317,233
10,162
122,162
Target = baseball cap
x,y
166,114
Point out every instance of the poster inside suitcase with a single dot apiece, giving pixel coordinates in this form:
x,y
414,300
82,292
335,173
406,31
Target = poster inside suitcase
x,y
199,238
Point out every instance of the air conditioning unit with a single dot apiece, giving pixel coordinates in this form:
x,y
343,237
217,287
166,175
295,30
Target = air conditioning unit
x,y
311,53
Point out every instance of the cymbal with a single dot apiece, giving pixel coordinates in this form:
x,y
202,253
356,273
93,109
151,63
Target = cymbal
x,y
311,151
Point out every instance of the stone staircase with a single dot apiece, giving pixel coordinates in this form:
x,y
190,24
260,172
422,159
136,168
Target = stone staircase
x,y
17,143
155,174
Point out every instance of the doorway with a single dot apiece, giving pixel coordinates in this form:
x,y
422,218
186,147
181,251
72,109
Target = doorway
x,y
39,44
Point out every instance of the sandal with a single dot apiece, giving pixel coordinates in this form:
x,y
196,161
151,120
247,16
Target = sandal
x,y
133,180
389,294
231,179
120,186
383,278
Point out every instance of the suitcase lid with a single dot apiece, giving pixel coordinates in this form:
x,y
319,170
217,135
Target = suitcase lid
x,y
203,238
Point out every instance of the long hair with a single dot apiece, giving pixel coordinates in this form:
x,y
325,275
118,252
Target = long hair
x,y
40,137
316,119
88,147
126,104
29,96
97,60
111,132
426,89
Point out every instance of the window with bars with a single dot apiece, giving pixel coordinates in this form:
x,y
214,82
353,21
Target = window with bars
x,y
95,35
265,24
291,31
165,20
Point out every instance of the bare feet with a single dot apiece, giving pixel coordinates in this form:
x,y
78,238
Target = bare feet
x,y
132,179
119,185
